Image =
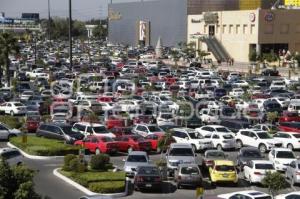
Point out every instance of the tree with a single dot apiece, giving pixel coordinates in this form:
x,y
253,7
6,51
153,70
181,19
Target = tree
x,y
274,182
176,56
272,117
99,32
253,55
16,182
8,46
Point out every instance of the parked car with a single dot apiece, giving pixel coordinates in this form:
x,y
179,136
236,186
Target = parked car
x,y
211,155
295,195
289,117
289,140
98,144
223,171
146,129
188,175
292,172
13,108
59,131
148,177
246,154
32,123
281,158
121,131
12,156
6,132
134,160
88,128
290,127
235,125
249,194
129,143
255,170
154,139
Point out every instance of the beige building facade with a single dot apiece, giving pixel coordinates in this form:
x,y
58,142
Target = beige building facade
x,y
233,34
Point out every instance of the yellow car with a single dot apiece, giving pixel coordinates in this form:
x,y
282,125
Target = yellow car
x,y
223,171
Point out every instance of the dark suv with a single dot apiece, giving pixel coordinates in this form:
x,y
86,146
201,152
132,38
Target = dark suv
x,y
59,132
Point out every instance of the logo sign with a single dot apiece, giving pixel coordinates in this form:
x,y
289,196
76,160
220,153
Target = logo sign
x,y
196,20
269,16
252,17
211,18
113,15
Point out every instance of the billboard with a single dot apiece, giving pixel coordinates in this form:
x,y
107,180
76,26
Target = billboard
x,y
142,30
292,3
32,16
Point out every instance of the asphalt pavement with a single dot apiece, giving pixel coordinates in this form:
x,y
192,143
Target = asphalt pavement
x,y
49,185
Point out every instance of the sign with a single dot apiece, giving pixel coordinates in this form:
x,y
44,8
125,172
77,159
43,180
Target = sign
x,y
114,16
211,18
269,16
196,20
252,17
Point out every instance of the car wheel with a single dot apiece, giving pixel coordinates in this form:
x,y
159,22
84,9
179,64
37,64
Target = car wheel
x,y
219,147
262,148
239,144
290,146
12,113
292,181
178,186
97,152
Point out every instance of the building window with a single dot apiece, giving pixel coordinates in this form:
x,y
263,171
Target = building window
x,y
298,28
269,29
223,29
245,29
252,28
230,29
284,28
237,29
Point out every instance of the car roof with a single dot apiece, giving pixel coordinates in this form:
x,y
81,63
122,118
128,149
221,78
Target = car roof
x,y
247,148
262,162
224,162
180,145
251,193
89,124
282,149
138,153
7,149
214,126
188,165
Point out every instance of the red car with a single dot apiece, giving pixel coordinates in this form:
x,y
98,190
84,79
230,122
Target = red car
x,y
133,142
146,119
113,121
289,117
98,144
260,96
32,123
290,127
154,139
121,131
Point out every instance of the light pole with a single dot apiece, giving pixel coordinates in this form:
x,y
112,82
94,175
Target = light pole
x,y
70,33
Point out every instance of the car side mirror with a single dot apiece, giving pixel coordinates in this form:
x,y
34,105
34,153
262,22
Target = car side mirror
x,y
255,138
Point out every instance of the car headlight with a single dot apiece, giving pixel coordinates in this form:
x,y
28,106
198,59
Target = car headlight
x,y
269,143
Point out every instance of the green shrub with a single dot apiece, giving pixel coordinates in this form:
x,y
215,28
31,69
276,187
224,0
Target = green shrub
x,y
107,187
99,162
77,165
67,160
11,121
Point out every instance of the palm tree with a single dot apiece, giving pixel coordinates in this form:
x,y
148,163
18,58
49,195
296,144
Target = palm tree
x,y
8,46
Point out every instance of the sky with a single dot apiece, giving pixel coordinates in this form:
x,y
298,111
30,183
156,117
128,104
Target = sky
x,y
82,9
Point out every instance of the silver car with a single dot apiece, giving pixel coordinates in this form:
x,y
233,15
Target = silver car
x,y
12,156
6,133
292,172
188,175
135,159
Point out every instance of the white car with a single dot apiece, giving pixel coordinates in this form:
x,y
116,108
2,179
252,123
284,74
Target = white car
x,y
222,141
87,128
209,116
255,170
214,105
249,194
292,172
289,140
187,135
283,101
26,95
127,105
237,92
38,72
241,105
13,108
281,158
241,83
165,119
277,84
292,195
146,129
106,106
259,102
256,138
209,129
12,156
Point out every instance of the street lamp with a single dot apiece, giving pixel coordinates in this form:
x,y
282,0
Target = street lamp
x,y
35,47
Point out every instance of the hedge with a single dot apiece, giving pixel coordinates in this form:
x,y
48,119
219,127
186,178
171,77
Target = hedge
x,y
43,146
11,121
100,182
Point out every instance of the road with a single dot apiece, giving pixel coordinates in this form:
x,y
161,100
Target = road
x,y
49,185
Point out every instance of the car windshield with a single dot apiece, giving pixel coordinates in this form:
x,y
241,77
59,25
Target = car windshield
x,y
67,130
153,128
285,155
222,129
264,166
195,135
224,168
148,171
264,197
215,154
136,158
100,129
190,170
181,152
296,135
264,136
166,116
251,154
227,137
18,104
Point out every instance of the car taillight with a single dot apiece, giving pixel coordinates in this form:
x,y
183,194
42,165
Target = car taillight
x,y
139,179
257,173
209,162
157,179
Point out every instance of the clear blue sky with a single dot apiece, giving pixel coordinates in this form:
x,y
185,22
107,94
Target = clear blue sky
x,y
82,9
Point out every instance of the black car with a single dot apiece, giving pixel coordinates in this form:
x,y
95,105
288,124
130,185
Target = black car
x,y
272,106
234,124
270,72
246,154
147,177
59,132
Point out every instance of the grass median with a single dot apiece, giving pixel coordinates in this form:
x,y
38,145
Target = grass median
x,y
43,146
99,182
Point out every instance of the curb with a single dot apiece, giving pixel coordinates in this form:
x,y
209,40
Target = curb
x,y
87,191
34,157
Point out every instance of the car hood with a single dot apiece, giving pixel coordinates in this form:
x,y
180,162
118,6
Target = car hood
x,y
284,160
182,159
15,131
128,166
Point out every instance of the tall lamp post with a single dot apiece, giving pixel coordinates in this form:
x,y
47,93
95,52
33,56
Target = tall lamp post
x,y
70,33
